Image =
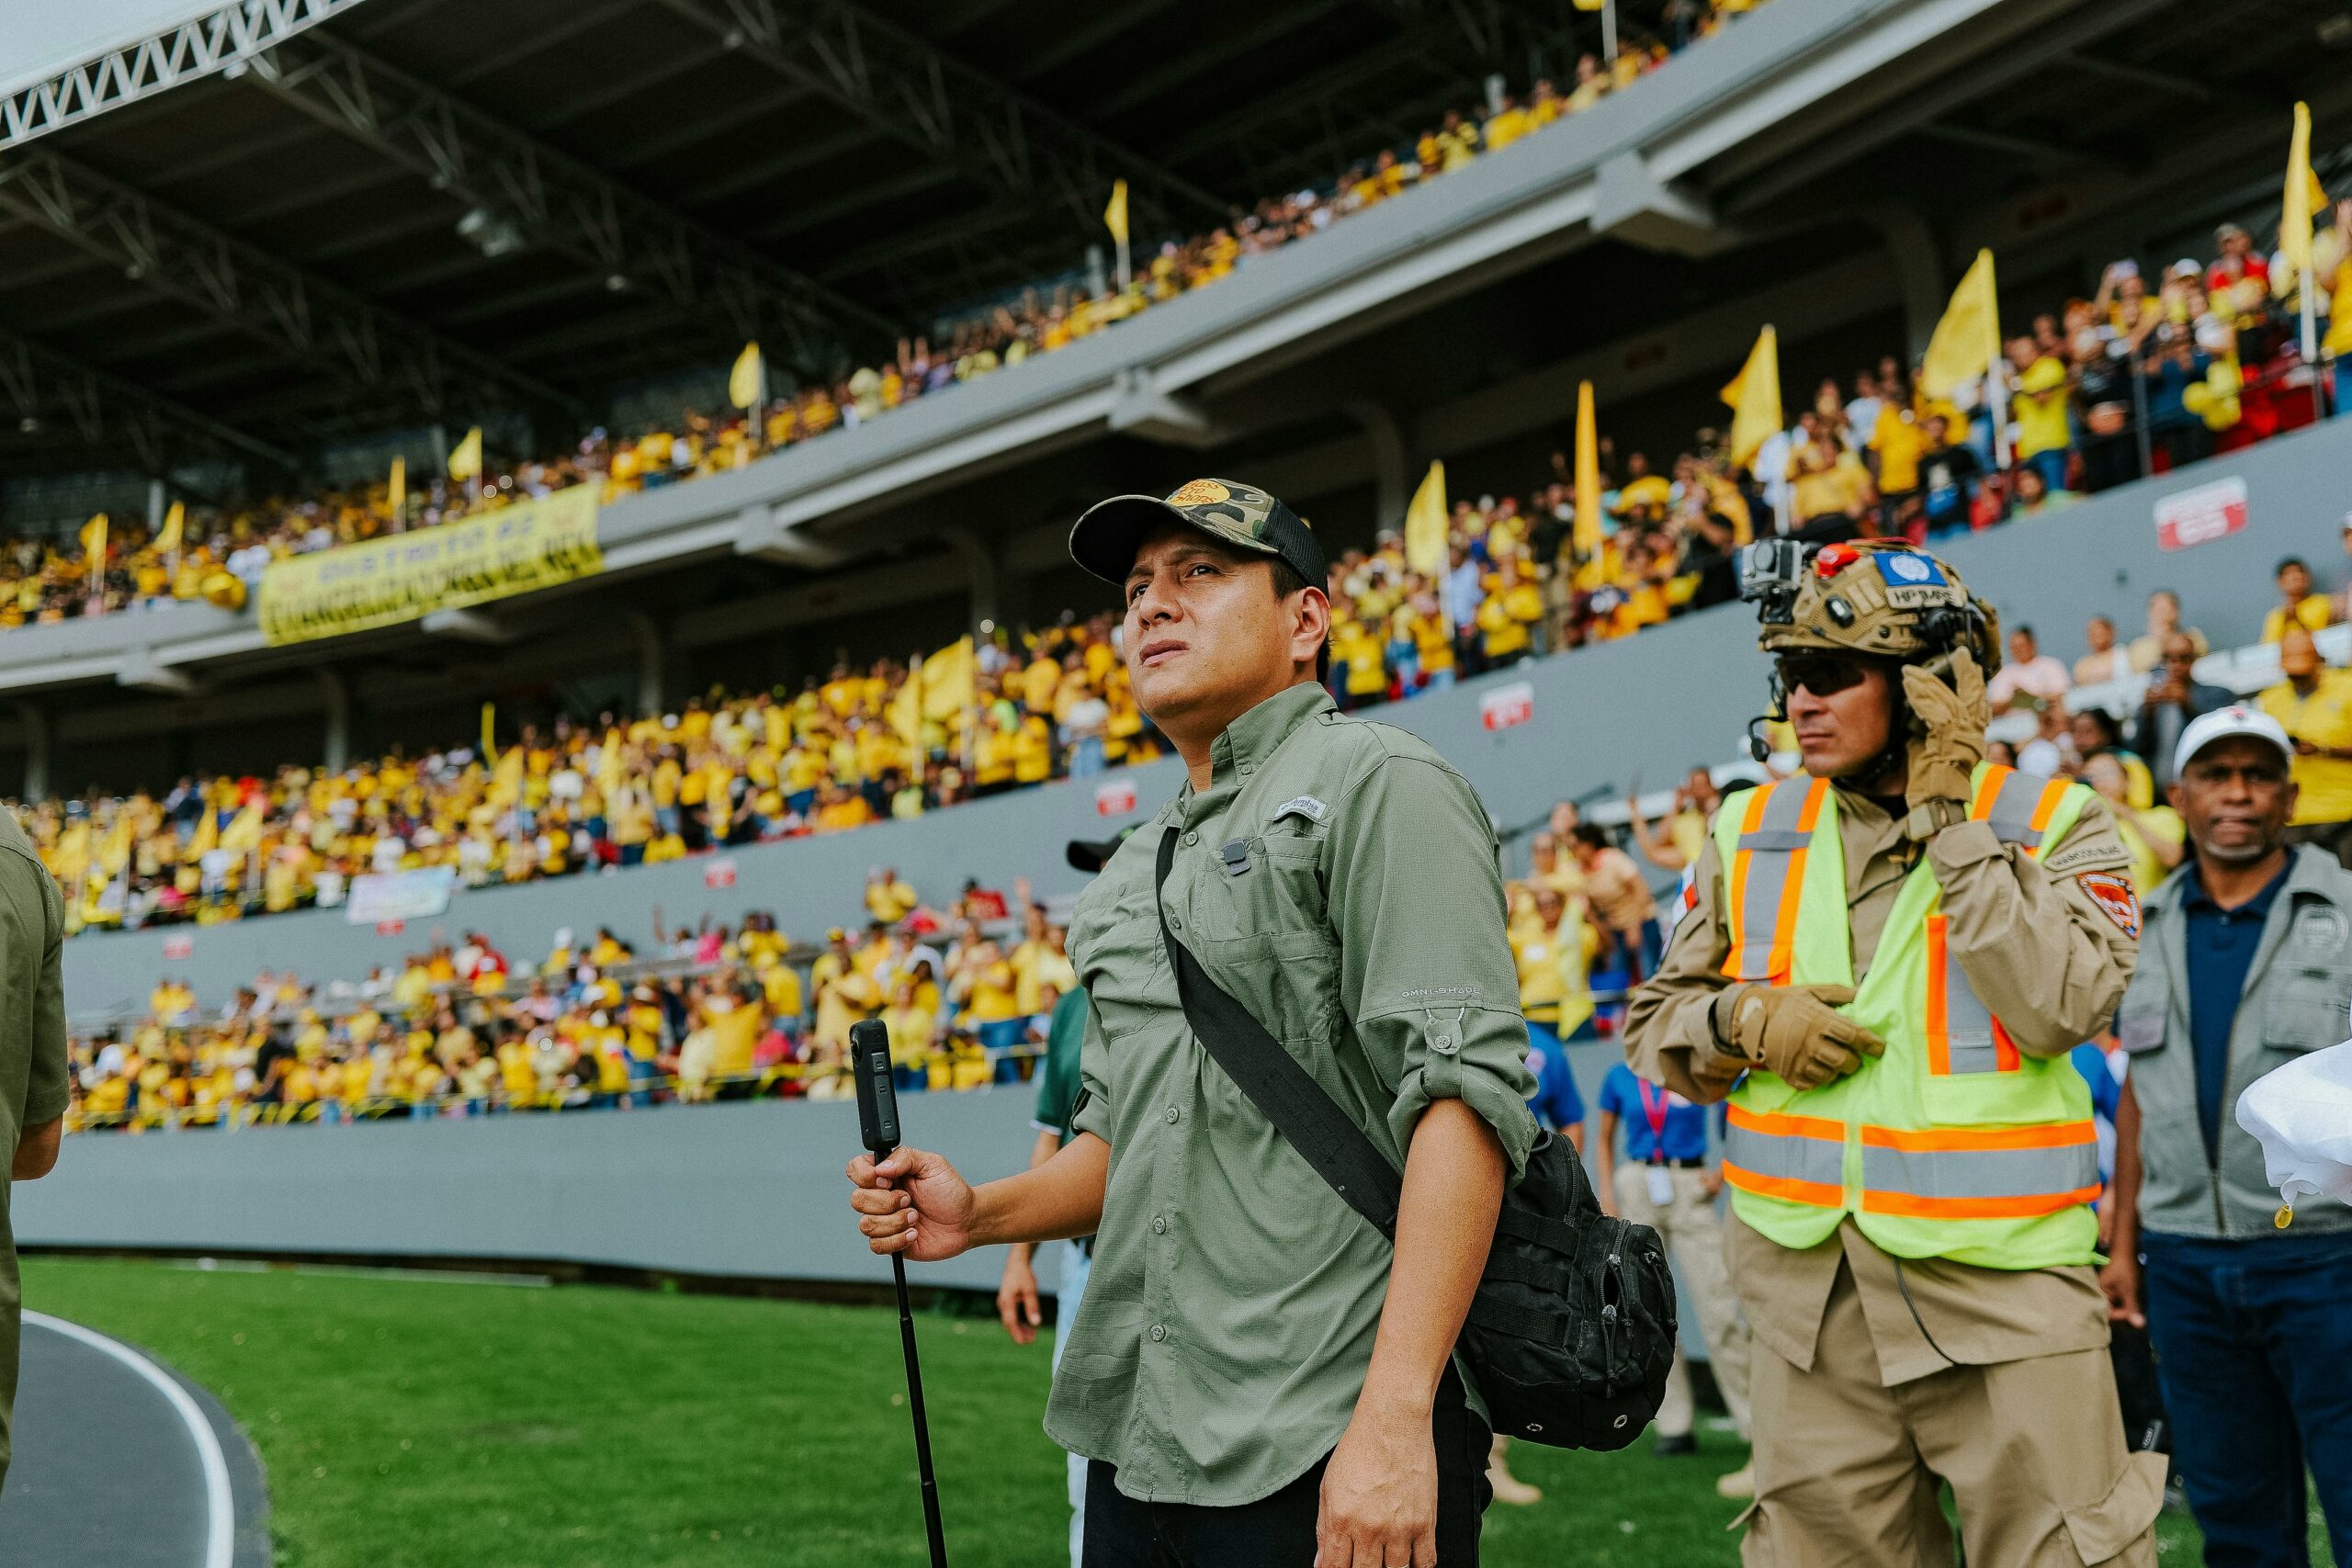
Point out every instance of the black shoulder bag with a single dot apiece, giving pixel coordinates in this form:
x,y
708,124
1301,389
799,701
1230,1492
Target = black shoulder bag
x,y
1571,1333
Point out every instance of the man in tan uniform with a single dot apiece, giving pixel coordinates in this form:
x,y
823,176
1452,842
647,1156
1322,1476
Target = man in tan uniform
x,y
1885,980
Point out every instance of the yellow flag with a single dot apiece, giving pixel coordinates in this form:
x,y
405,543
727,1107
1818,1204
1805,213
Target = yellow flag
x,y
206,837
94,540
947,681
465,461
490,735
1968,340
396,490
1425,526
906,707
745,385
2306,199
1587,537
243,832
174,528
1114,216
1755,399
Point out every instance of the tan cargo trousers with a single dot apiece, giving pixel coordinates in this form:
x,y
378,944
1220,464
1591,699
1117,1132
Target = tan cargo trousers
x,y
1847,1470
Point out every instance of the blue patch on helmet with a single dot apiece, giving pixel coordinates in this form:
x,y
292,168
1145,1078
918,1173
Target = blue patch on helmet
x,y
1906,569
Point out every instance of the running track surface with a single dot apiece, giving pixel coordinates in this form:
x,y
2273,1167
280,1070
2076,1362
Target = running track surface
x,y
92,1414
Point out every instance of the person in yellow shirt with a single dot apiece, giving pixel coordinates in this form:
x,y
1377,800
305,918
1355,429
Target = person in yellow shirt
x,y
1506,125
889,898
2314,704
2298,607
1362,658
1897,441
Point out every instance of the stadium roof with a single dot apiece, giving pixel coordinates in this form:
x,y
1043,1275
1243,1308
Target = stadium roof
x,y
422,210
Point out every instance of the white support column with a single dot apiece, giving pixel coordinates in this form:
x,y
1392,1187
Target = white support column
x,y
35,719
981,565
652,655
337,690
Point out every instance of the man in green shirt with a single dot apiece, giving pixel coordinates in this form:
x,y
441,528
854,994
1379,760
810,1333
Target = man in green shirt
x,y
1257,1375
32,1060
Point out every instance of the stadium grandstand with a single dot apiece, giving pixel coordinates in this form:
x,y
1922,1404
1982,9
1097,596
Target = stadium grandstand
x,y
533,535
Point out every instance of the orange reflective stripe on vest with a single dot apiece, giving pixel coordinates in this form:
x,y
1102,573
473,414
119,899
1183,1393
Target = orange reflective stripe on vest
x,y
1799,1158
1767,879
2018,805
1968,1173
1962,1036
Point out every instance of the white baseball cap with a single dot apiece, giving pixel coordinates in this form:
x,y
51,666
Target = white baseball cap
x,y
2223,723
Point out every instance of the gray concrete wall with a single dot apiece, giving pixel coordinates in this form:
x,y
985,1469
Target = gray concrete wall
x,y
752,1189
1648,707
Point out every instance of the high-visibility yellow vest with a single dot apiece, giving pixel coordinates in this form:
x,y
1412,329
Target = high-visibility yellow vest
x,y
1954,1143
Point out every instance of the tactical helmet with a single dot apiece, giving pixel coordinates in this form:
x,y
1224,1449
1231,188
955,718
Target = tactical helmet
x,y
1883,597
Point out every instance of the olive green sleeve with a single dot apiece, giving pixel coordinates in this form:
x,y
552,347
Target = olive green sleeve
x,y
45,1084
1426,971
1091,1112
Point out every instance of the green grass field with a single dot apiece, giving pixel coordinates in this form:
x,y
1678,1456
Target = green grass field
x,y
415,1422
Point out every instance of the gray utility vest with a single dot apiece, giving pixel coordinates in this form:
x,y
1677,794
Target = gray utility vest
x,y
2297,994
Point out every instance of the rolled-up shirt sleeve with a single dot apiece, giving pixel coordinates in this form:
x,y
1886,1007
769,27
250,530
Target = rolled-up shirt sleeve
x,y
1091,1112
1415,897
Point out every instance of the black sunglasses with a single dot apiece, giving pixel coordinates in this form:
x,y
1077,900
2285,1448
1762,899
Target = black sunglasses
x,y
1823,674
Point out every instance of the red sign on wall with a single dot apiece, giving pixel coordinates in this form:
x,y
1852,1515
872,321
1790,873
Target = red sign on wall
x,y
718,875
178,948
1114,800
1508,706
390,927
2198,517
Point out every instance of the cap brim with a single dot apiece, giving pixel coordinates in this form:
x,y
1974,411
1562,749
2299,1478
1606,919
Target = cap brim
x,y
1106,538
1090,856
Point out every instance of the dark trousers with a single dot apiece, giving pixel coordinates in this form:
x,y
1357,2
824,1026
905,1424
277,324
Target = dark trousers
x,y
1278,1532
2252,1342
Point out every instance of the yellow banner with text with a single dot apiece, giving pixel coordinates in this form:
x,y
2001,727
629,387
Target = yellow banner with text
x,y
381,582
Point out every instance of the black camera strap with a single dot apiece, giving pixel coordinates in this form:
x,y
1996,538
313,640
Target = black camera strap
x,y
1302,1110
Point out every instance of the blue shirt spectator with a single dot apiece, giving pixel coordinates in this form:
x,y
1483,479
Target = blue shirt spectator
x,y
1557,1105
2221,946
1682,1134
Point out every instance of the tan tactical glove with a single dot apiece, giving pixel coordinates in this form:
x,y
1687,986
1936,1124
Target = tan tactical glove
x,y
1942,759
1791,1030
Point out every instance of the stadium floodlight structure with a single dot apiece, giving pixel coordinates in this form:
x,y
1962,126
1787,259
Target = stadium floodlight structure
x,y
283,306
947,109
223,37
37,382
631,240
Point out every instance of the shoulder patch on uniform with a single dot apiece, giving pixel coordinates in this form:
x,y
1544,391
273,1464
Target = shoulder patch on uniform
x,y
2107,854
1305,806
2114,899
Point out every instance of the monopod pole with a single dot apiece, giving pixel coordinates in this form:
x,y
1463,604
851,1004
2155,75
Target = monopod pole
x,y
878,1116
922,1424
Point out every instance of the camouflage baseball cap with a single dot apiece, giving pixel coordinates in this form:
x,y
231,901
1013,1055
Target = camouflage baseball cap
x,y
1106,538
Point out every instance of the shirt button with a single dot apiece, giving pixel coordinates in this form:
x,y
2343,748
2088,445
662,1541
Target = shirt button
x,y
1174,924
1159,1226
1158,1334
1192,838
1249,767
1173,1115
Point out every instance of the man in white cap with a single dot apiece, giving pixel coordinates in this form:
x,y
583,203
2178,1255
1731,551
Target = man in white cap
x,y
2245,964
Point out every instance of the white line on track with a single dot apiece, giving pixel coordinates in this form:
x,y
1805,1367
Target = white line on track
x,y
221,1528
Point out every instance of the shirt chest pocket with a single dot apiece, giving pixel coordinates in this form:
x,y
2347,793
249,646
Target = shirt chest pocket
x,y
1263,923
2309,1007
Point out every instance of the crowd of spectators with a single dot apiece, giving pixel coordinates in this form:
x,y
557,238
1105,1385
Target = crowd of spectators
x,y
705,1012
220,552
858,746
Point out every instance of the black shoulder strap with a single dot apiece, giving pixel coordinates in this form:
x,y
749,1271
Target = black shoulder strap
x,y
1301,1110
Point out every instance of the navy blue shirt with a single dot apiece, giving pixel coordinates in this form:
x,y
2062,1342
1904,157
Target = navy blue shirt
x,y
1555,1102
1685,1132
2221,944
